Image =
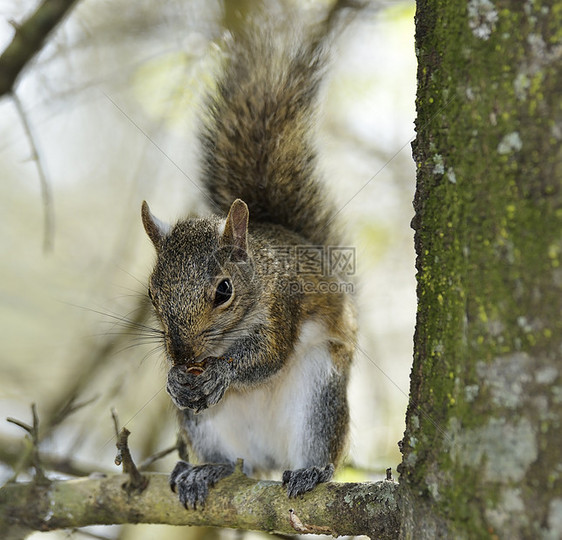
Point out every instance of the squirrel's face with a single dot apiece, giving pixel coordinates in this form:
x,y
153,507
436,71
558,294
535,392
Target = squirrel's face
x,y
202,284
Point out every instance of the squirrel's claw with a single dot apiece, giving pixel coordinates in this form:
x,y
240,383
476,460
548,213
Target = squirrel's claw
x,y
300,481
180,468
192,482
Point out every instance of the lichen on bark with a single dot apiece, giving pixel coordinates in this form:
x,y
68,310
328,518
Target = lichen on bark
x,y
482,423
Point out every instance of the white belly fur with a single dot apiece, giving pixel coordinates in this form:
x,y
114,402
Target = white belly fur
x,y
267,426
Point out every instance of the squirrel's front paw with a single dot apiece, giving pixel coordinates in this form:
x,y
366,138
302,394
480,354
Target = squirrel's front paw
x,y
192,482
300,481
198,391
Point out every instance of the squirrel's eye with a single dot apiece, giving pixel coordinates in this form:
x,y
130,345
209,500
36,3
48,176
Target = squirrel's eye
x,y
223,292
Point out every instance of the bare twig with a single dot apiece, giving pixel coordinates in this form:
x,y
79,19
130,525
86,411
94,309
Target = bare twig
x,y
68,408
115,424
155,457
389,477
28,40
353,7
22,457
46,193
33,433
137,482
12,450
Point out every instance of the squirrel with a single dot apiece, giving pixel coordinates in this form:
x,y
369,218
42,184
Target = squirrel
x,y
259,335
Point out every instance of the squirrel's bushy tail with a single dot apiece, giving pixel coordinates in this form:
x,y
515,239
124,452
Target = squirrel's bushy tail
x,y
257,136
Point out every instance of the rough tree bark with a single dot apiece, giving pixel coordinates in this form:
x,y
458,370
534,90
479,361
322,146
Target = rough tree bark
x,y
482,448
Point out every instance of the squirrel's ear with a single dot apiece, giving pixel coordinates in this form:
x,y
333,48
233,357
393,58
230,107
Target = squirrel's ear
x,y
156,229
236,228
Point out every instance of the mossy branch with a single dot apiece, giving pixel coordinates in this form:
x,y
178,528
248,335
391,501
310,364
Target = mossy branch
x,y
236,502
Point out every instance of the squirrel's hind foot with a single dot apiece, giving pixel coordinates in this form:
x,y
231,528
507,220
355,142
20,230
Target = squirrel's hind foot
x,y
300,481
192,482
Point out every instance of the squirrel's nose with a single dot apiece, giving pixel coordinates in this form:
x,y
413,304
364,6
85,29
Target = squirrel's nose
x,y
179,350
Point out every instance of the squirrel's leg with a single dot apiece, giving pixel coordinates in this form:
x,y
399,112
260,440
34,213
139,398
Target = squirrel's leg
x,y
192,482
327,436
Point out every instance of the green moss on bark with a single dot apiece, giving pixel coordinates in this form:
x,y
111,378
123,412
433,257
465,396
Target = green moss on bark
x,y
489,242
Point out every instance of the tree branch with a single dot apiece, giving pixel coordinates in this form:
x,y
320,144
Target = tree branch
x,y
28,40
236,502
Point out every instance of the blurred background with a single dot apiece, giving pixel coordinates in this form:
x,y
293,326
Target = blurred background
x,y
110,107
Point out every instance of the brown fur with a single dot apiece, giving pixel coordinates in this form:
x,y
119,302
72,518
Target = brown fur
x,y
257,134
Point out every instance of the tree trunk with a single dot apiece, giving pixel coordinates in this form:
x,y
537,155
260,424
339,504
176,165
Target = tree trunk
x,y
482,451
